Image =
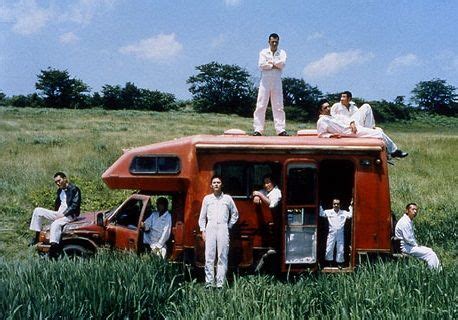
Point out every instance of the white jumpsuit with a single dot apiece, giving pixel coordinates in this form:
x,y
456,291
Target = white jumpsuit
x,y
336,232
328,125
57,217
270,87
404,231
362,116
217,216
157,231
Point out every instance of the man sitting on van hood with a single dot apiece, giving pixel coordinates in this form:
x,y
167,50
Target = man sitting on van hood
x,y
157,227
330,127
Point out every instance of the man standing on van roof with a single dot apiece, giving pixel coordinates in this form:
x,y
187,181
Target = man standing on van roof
x,y
271,62
66,209
217,215
347,110
330,127
404,231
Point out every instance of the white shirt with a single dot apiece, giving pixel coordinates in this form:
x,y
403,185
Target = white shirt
x,y
274,196
157,228
278,59
404,231
336,219
327,125
341,113
218,210
63,202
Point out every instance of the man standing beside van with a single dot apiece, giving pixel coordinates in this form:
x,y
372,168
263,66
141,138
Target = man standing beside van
x,y
217,215
271,62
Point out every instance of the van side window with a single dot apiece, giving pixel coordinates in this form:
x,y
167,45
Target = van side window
x,y
242,178
152,164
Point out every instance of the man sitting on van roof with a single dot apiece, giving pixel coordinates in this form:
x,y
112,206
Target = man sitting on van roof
x,y
330,127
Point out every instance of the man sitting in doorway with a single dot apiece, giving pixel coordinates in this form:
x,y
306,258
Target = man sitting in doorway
x,y
336,219
157,228
270,194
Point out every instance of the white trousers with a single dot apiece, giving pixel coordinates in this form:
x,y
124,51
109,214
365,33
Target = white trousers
x,y
158,250
216,243
271,88
335,237
364,132
364,116
57,218
424,253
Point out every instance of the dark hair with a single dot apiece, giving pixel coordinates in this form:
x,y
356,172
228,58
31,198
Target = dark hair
x,y
274,35
320,103
61,174
162,200
270,177
215,176
348,93
411,204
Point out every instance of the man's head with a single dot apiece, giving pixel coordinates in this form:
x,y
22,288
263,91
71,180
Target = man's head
x,y
336,205
216,184
269,182
274,40
411,210
162,204
60,179
324,107
345,98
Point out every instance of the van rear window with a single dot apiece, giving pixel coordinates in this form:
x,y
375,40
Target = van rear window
x,y
153,164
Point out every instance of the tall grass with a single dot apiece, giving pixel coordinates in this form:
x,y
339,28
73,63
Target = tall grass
x,y
121,285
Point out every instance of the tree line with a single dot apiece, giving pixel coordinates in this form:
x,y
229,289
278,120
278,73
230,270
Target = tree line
x,y
222,88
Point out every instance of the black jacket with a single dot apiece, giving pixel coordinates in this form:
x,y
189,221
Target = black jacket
x,y
73,201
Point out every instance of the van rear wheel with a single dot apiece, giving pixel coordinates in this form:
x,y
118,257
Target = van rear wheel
x,y
76,250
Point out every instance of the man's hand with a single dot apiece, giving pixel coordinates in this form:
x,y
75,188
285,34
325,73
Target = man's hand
x,y
256,197
203,235
353,127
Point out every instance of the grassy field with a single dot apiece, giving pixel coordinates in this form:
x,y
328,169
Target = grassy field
x,y
34,143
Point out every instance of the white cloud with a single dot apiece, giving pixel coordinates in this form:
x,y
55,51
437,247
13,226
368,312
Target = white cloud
x,y
27,17
218,41
335,62
161,47
83,11
232,3
68,38
407,60
315,36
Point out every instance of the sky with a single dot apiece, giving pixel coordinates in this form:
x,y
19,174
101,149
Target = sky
x,y
376,49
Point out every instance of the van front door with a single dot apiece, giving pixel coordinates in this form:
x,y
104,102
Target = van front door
x,y
300,218
124,228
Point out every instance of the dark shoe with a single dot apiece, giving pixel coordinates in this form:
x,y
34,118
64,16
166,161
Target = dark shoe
x,y
283,134
54,251
35,239
257,134
399,154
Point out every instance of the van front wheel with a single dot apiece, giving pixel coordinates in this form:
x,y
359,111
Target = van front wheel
x,y
76,250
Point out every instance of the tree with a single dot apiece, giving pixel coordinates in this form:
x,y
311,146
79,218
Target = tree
x,y
223,89
300,99
436,96
60,91
111,97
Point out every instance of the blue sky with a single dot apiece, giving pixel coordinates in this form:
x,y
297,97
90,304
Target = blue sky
x,y
376,49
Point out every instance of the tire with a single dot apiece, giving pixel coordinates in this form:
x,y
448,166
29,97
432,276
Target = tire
x,y
76,250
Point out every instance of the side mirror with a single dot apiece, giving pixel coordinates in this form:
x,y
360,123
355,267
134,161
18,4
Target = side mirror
x,y
100,219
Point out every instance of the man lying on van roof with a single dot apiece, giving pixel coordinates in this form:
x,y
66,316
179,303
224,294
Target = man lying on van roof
x,y
330,127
